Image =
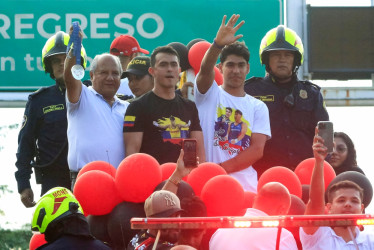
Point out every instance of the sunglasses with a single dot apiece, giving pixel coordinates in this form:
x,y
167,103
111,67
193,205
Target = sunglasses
x,y
340,149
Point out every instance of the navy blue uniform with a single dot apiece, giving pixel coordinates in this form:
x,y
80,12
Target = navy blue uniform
x,y
294,109
43,140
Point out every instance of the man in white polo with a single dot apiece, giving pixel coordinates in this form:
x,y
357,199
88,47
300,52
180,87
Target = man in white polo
x,y
95,114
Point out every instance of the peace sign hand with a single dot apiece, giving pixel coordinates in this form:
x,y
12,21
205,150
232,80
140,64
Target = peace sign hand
x,y
226,32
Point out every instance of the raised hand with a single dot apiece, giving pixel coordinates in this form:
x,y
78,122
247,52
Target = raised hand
x,y
226,32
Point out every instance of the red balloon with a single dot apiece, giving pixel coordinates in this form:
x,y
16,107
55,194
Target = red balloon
x,y
196,54
137,176
249,198
167,169
204,172
223,195
284,176
218,77
37,240
96,192
305,168
98,165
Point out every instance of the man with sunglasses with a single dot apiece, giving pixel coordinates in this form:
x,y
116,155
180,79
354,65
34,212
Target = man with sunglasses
x,y
294,106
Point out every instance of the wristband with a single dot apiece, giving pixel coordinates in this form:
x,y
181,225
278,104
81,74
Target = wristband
x,y
215,44
176,183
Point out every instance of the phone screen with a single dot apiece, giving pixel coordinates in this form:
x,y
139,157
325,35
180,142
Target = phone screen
x,y
189,148
326,131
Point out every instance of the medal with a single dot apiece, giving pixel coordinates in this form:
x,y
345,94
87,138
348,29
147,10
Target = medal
x,y
77,70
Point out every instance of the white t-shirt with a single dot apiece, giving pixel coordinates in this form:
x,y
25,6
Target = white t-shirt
x,y
124,88
326,238
222,138
95,130
251,238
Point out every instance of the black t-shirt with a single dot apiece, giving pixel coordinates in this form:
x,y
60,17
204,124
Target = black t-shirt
x,y
164,123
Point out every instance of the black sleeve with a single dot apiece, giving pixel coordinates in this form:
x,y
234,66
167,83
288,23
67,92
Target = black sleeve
x,y
320,110
195,123
133,121
26,145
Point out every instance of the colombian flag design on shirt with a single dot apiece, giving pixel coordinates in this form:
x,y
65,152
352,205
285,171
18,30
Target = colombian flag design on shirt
x,y
129,121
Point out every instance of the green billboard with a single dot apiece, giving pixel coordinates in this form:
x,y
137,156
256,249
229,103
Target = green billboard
x,y
25,26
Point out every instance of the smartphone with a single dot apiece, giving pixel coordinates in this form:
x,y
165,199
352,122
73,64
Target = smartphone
x,y
326,131
190,155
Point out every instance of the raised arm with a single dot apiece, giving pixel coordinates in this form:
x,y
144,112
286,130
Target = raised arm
x,y
225,36
181,171
73,86
316,203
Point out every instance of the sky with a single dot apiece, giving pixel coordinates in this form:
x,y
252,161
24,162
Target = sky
x,y
357,122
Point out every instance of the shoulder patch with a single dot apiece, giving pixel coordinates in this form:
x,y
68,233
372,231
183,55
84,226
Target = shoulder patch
x,y
24,121
311,84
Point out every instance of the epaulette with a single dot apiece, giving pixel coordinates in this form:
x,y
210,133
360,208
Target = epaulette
x,y
37,92
252,79
311,84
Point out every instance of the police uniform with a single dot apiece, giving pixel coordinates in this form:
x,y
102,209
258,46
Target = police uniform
x,y
294,109
42,140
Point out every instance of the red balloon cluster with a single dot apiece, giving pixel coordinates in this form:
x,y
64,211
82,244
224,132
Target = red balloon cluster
x,y
284,176
137,176
223,195
100,187
305,168
96,192
203,173
37,240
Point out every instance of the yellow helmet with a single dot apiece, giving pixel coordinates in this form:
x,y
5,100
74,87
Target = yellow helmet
x,y
281,38
56,45
57,203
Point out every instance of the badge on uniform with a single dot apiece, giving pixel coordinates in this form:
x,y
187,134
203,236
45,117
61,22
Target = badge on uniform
x,y
303,94
24,120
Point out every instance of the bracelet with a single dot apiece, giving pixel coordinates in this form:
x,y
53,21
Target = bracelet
x,y
215,44
176,183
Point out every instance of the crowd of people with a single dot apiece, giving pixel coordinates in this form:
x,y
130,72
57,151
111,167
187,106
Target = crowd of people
x,y
131,105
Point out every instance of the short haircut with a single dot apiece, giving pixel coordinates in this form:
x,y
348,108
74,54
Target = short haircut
x,y
163,49
238,112
228,108
343,184
94,62
236,48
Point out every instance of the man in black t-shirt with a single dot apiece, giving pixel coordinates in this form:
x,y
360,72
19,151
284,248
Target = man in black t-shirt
x,y
157,123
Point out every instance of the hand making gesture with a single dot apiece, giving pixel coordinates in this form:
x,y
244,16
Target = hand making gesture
x,y
226,32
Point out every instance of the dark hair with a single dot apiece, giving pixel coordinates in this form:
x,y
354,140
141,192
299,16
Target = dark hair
x,y
238,112
350,161
163,49
229,109
343,184
236,48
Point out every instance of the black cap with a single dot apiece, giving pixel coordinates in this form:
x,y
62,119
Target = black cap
x,y
138,66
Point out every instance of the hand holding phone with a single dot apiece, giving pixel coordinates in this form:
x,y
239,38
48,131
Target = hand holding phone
x,y
326,131
190,155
